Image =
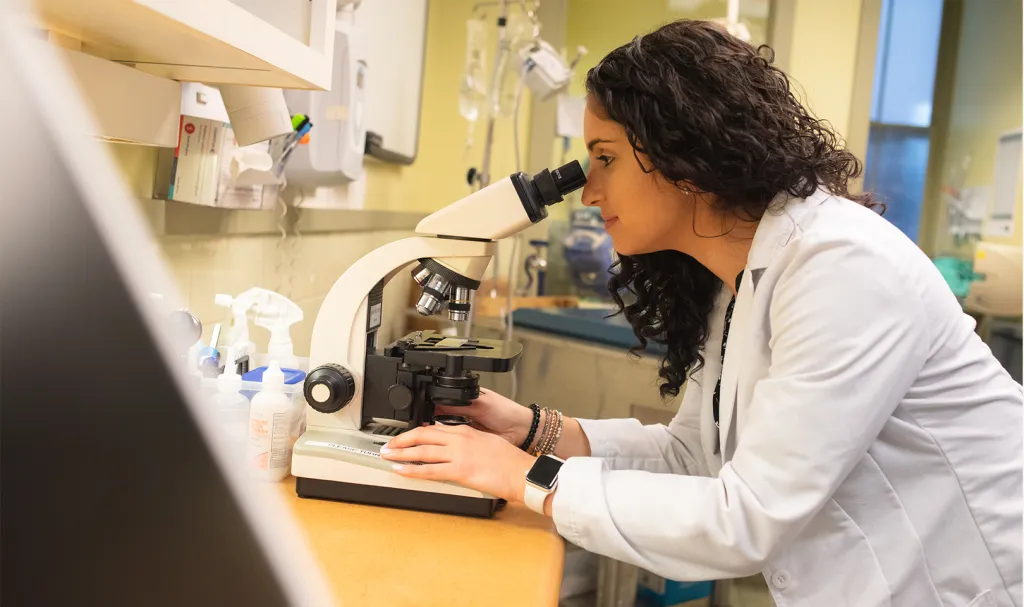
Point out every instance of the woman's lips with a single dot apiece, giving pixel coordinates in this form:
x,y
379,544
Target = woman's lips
x,y
610,222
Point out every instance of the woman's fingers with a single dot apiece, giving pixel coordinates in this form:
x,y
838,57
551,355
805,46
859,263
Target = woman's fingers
x,y
425,435
425,453
432,472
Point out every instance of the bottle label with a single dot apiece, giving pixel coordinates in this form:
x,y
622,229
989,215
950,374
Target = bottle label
x,y
280,443
269,441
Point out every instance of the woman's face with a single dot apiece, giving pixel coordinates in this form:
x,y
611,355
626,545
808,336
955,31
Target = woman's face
x,y
643,213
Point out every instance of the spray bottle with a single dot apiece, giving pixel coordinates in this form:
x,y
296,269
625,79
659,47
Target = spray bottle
x,y
232,408
278,317
238,328
269,450
272,311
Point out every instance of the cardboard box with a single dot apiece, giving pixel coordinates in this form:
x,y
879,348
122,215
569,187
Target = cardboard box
x,y
191,171
199,169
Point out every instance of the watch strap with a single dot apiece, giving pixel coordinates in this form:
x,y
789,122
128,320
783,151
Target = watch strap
x,y
535,498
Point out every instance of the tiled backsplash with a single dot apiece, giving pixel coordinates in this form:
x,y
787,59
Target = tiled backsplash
x,y
301,268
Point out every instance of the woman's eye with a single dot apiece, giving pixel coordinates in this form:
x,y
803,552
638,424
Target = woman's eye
x,y
605,159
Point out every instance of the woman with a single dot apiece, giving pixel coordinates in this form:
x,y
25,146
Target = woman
x,y
843,430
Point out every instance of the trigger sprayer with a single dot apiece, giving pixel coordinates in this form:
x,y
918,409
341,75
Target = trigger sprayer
x,y
238,330
278,318
270,310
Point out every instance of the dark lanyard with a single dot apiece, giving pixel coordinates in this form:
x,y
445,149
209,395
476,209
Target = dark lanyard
x,y
725,338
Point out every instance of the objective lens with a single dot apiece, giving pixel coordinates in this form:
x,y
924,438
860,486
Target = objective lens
x,y
458,307
421,275
435,292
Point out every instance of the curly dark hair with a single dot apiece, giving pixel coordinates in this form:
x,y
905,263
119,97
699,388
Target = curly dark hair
x,y
711,113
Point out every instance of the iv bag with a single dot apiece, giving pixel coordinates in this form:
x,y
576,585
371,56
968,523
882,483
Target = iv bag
x,y
473,89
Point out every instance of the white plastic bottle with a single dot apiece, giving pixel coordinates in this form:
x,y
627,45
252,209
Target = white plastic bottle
x,y
269,451
232,407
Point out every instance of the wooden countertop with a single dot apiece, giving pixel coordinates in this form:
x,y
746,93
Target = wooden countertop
x,y
378,557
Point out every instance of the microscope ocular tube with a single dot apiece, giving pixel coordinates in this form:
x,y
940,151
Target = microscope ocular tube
x,y
458,307
435,292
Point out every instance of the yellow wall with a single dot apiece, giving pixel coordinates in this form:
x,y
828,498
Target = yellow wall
x,y
823,58
986,103
438,177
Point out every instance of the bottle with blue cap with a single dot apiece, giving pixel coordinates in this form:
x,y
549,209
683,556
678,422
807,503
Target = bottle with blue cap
x,y
268,454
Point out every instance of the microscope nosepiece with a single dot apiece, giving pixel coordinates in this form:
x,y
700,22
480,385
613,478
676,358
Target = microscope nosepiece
x,y
458,307
435,293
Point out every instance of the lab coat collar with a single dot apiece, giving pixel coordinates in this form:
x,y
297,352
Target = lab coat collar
x,y
780,224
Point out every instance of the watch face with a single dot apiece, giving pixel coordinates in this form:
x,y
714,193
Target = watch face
x,y
544,472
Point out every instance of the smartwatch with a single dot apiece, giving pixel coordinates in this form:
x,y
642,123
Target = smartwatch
x,y
541,481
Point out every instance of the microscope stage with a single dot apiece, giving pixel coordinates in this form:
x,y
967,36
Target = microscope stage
x,y
433,349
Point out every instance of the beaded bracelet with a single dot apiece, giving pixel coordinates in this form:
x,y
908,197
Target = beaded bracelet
x,y
543,432
533,427
552,433
558,433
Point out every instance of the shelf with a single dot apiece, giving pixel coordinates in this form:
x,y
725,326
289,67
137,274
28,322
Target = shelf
x,y
211,41
170,218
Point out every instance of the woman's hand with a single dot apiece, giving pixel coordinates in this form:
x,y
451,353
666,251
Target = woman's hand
x,y
496,414
463,455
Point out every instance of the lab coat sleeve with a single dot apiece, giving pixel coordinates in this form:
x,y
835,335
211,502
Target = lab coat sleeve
x,y
849,337
626,444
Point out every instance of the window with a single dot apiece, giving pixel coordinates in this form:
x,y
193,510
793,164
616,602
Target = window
x,y
901,108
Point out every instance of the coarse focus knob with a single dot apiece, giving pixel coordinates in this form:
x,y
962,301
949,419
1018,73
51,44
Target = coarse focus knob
x,y
329,387
400,397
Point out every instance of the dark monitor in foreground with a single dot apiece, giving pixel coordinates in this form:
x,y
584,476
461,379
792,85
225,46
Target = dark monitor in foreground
x,y
109,493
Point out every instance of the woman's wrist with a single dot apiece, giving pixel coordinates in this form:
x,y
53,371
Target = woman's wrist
x,y
526,427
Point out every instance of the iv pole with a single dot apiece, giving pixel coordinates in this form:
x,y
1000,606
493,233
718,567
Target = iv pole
x,y
492,96
484,177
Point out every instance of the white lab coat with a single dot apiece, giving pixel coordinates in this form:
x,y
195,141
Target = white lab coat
x,y
870,449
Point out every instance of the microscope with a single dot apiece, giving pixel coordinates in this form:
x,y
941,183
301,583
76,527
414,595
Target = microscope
x,y
360,396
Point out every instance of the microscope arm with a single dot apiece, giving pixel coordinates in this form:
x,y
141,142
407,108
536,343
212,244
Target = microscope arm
x,y
339,333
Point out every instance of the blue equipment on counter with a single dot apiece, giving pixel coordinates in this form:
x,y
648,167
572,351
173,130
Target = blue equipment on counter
x,y
291,376
589,252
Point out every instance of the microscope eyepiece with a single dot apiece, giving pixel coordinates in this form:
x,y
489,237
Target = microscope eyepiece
x,y
569,177
548,187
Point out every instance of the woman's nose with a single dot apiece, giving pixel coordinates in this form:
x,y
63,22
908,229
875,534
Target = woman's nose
x,y
589,196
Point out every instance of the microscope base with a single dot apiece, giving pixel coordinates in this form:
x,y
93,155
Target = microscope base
x,y
391,497
345,465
